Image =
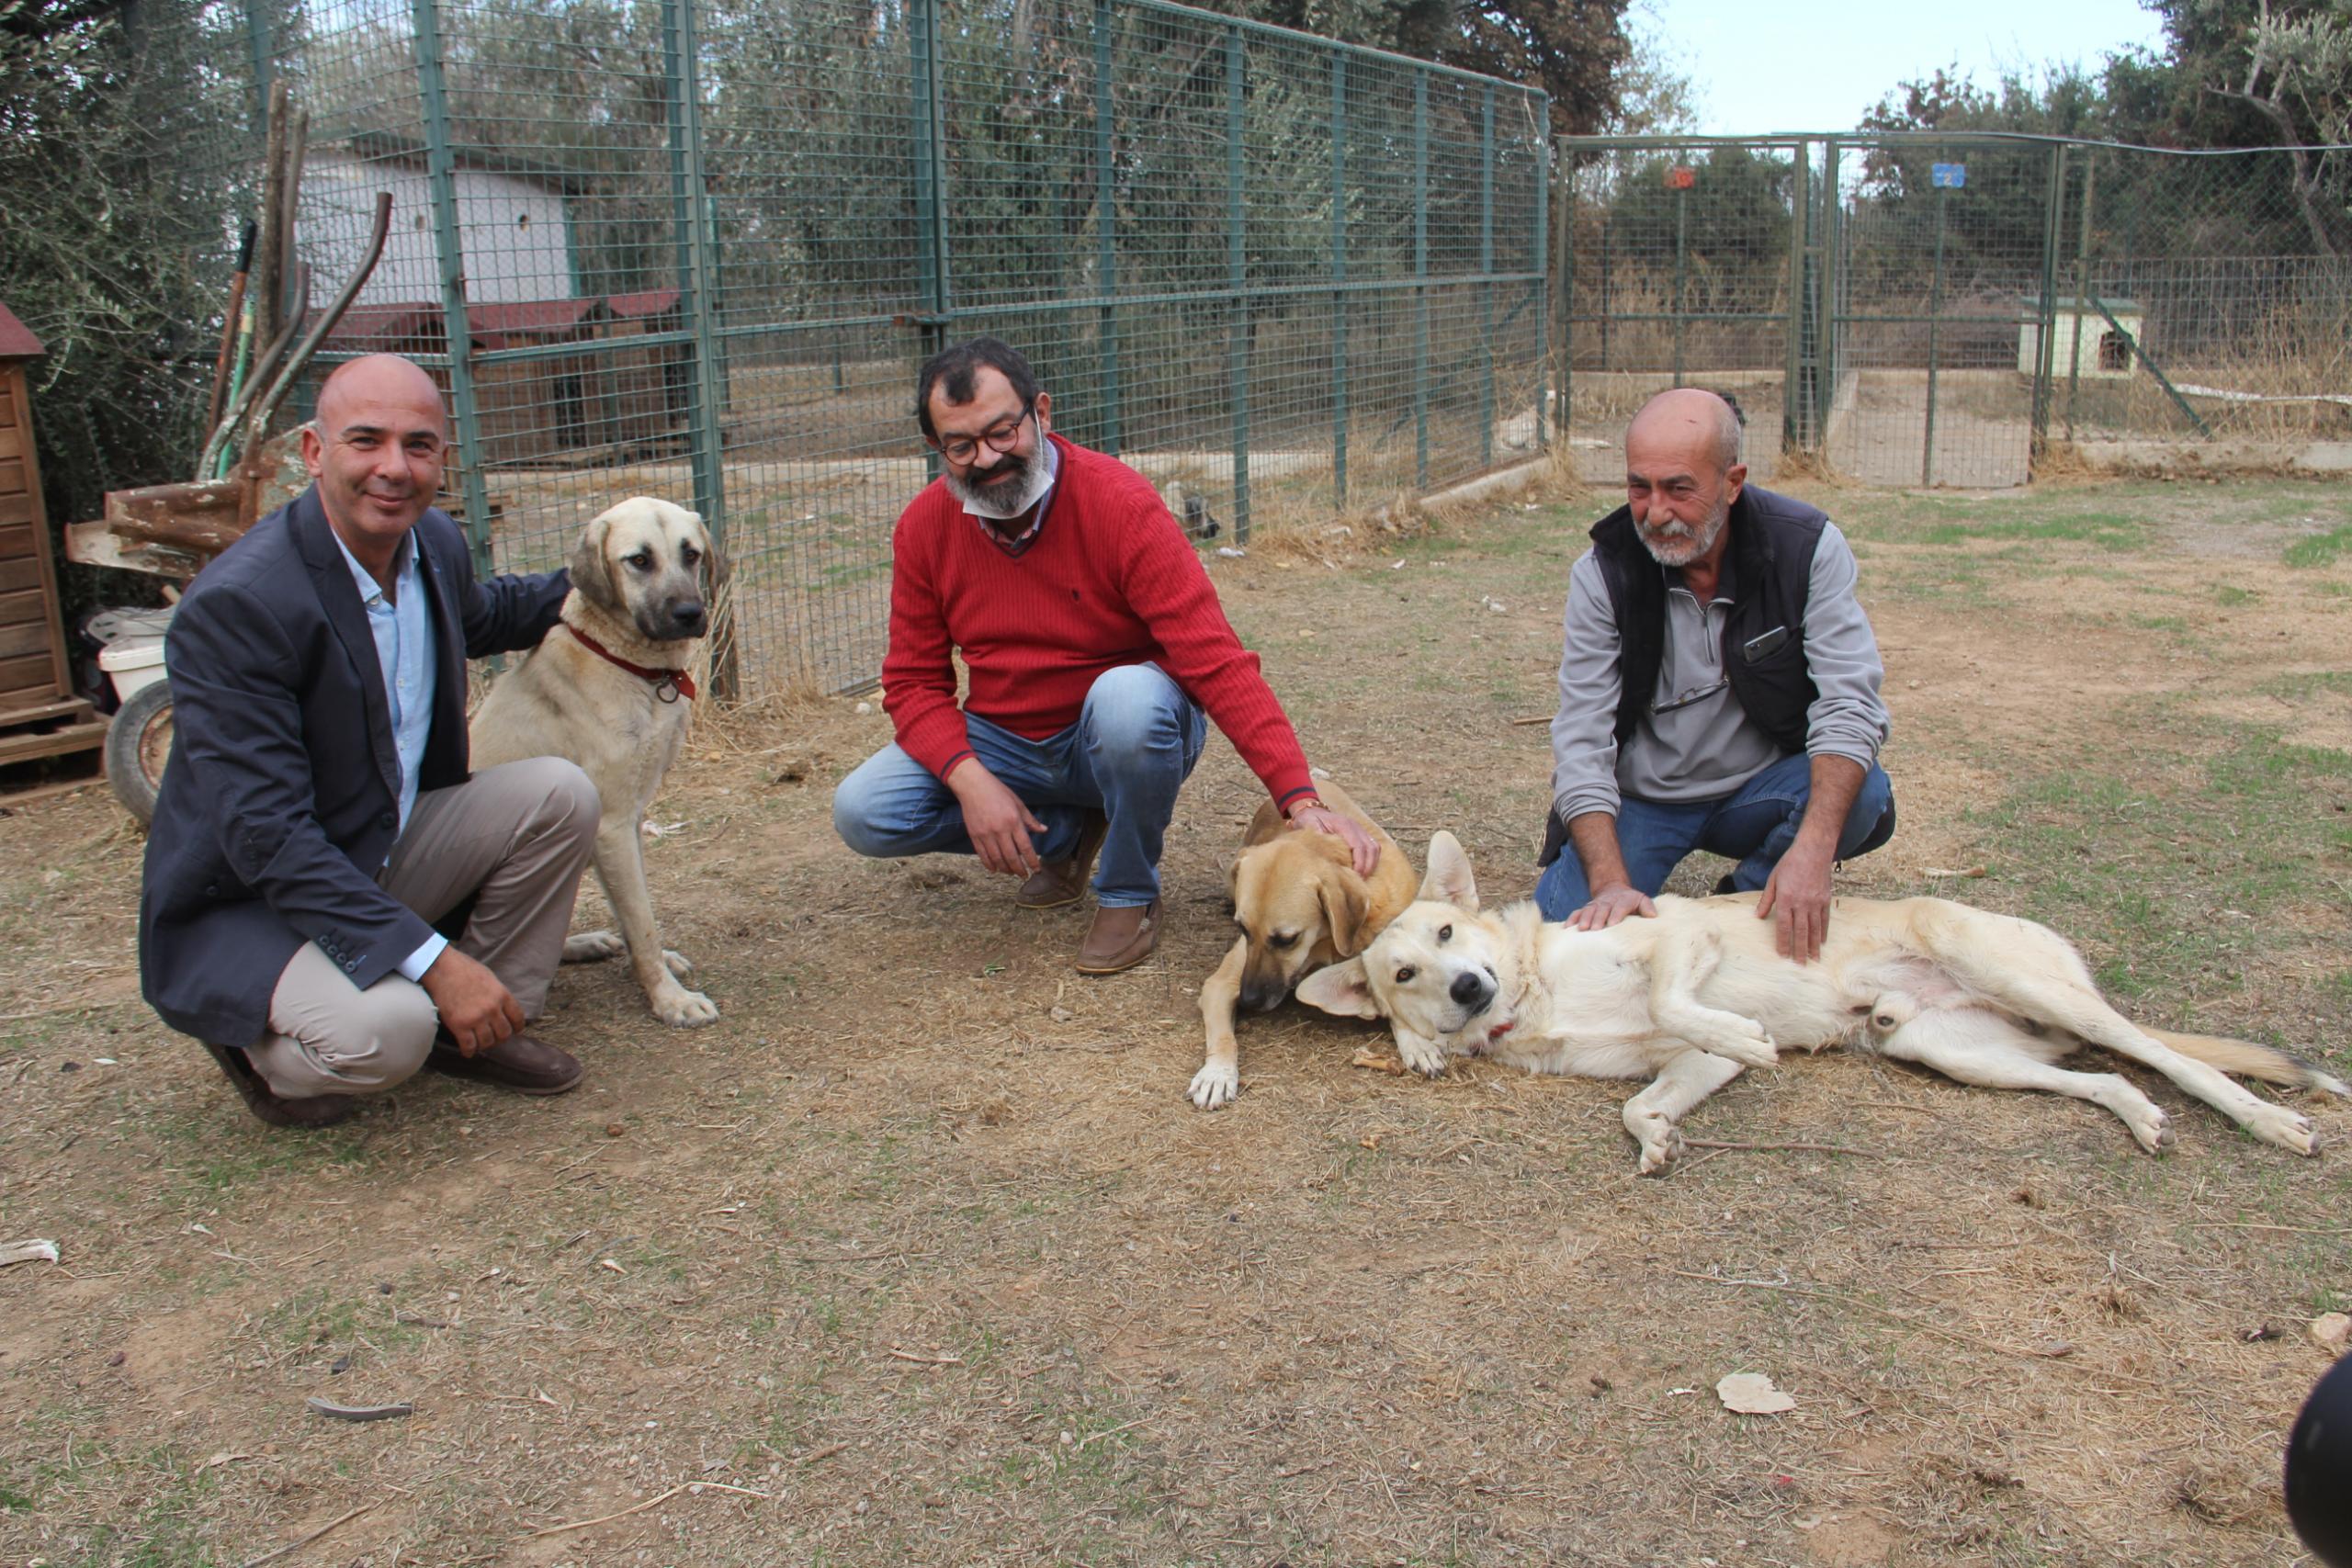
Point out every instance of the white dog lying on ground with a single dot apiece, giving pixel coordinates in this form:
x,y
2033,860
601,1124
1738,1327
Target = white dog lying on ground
x,y
1689,998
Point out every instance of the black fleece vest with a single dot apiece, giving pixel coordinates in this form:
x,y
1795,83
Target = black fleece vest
x,y
1769,571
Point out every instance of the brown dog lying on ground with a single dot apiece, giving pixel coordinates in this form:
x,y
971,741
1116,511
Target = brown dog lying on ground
x,y
1300,905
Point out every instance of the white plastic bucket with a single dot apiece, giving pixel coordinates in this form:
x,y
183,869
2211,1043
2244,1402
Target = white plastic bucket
x,y
131,664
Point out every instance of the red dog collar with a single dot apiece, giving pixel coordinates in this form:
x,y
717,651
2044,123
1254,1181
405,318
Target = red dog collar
x,y
668,685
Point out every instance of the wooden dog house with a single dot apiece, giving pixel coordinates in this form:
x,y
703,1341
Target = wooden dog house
x,y
39,714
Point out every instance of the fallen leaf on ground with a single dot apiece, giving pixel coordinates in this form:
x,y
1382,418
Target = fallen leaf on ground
x,y
1752,1394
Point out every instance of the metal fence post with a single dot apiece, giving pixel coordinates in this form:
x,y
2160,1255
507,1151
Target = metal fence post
x,y
1935,309
1796,421
930,181
449,250
2045,361
1420,280
1339,281
2082,292
1486,289
1542,286
698,303
258,45
1682,269
1565,173
1826,283
1106,224
1236,267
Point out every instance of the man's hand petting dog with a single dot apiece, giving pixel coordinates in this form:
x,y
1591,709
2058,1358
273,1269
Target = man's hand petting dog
x,y
1002,830
1797,897
1611,904
477,1010
1362,852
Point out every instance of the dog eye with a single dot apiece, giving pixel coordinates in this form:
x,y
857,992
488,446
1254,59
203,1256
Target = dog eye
x,y
1445,933
640,560
690,555
1282,939
1405,975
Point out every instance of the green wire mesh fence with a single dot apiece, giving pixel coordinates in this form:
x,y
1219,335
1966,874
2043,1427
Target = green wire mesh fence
x,y
1926,310
697,248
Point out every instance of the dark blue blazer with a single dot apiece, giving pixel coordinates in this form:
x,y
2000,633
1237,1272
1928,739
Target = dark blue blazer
x,y
282,799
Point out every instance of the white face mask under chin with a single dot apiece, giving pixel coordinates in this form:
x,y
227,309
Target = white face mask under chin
x,y
1008,502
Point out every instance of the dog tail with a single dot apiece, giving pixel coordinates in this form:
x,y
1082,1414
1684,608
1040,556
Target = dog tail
x,y
2253,1061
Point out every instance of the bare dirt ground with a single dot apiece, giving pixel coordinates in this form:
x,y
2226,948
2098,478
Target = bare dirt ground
x,y
920,1255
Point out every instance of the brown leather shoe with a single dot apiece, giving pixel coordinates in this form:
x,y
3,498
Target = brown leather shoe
x,y
319,1111
1060,882
520,1063
1119,938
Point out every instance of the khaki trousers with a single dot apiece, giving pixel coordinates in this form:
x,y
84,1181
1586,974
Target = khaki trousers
x,y
516,837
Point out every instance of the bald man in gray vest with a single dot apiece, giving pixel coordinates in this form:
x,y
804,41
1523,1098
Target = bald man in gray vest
x,y
1719,690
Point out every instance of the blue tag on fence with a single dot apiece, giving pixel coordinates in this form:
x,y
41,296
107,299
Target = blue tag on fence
x,y
1949,177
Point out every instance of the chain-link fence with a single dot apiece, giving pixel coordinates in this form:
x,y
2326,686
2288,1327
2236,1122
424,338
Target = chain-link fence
x,y
697,248
1950,310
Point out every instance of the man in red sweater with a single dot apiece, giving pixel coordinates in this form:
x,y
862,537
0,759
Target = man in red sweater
x,y
1095,646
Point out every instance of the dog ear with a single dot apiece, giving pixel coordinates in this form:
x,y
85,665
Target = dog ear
x,y
1344,905
1340,989
1449,880
591,573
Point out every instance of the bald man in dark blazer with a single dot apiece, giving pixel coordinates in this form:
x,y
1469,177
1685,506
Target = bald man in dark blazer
x,y
318,818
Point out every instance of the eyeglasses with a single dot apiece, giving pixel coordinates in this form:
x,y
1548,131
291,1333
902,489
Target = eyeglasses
x,y
998,437
1696,695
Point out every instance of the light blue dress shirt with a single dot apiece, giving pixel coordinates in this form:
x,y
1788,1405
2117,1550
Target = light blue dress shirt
x,y
404,634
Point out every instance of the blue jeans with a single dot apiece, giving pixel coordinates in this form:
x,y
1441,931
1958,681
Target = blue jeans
x,y
1753,826
1133,747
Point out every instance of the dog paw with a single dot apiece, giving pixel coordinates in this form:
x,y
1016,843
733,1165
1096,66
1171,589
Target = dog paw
x,y
1423,1057
682,1008
2287,1129
1215,1086
1662,1150
1749,1050
592,947
2152,1127
678,962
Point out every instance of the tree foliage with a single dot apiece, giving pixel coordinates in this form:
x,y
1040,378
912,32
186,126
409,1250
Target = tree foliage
x,y
2233,73
110,239
1577,50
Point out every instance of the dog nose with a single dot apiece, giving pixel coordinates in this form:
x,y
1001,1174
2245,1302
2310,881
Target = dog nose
x,y
690,617
1471,990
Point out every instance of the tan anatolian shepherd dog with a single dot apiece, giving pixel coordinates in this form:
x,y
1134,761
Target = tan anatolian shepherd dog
x,y
609,689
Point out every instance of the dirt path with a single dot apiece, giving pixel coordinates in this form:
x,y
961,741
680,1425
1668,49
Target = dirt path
x,y
919,1256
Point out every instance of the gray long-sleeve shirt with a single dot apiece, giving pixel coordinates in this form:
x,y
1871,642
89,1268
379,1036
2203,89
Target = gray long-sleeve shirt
x,y
1706,748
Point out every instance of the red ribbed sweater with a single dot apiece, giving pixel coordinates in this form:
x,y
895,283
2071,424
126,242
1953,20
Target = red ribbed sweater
x,y
1111,580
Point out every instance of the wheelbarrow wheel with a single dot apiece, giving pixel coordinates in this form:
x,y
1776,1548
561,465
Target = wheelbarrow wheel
x,y
139,742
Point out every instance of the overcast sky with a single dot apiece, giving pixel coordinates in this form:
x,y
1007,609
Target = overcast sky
x,y
1762,65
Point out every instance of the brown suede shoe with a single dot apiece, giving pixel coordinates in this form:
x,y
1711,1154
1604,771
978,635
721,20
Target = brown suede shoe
x,y
1119,938
520,1063
319,1111
1060,882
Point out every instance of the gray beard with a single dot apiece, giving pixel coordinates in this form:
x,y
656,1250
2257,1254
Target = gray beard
x,y
1677,546
1003,502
